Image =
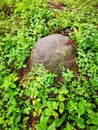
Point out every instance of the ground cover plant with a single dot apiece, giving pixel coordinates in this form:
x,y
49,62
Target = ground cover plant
x,y
41,102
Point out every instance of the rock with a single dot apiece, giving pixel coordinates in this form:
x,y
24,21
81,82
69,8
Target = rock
x,y
53,51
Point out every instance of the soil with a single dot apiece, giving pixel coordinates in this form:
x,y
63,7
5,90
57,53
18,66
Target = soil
x,y
56,5
33,120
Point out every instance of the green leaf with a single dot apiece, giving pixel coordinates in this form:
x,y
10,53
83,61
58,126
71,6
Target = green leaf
x,y
80,122
93,127
68,127
61,98
78,33
58,122
54,105
72,106
51,127
95,120
61,107
68,75
18,118
27,110
82,107
1,120
43,123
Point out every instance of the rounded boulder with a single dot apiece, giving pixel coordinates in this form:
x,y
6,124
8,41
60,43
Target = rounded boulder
x,y
53,51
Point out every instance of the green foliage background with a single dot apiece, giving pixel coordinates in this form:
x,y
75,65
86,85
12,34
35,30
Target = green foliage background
x,y
72,105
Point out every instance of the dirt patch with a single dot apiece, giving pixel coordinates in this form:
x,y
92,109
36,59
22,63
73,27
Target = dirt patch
x,y
33,120
56,5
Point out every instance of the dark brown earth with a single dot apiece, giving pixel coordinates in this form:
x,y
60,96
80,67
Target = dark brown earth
x,y
56,5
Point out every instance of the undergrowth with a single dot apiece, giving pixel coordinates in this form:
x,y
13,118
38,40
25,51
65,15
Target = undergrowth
x,y
41,102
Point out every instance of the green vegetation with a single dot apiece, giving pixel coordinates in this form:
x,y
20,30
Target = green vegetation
x,y
41,102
